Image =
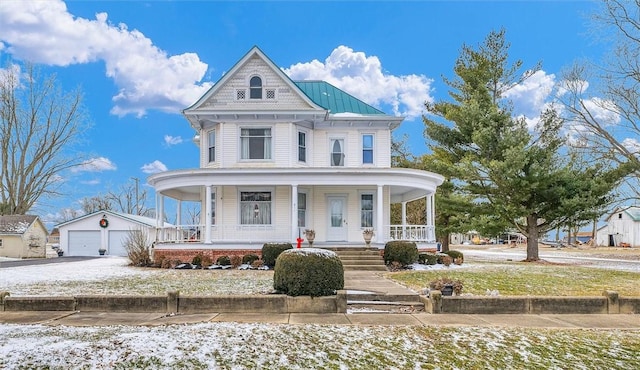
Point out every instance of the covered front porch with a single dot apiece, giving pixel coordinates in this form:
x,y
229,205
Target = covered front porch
x,y
338,204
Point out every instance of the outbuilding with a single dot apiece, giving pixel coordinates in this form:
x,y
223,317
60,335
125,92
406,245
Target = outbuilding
x,y
107,230
622,229
22,236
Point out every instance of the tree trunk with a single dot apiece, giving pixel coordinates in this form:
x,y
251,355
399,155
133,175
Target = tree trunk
x,y
532,238
445,243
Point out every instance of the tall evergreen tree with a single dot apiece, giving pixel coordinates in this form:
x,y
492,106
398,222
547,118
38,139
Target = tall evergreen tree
x,y
516,176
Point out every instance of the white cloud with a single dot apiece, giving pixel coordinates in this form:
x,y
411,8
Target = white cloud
x,y
363,77
154,167
90,182
147,78
531,97
95,165
172,140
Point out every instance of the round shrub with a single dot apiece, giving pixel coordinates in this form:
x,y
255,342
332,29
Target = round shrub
x,y
455,255
427,258
308,271
223,261
271,251
248,259
402,252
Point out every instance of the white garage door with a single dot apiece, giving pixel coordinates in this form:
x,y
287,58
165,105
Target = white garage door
x,y
84,243
117,239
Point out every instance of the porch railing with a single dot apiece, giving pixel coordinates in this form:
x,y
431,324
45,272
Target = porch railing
x,y
274,233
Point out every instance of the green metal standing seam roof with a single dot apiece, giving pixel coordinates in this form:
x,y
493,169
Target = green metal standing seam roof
x,y
335,100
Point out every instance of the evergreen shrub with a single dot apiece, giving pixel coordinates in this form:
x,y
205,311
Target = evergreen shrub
x,y
427,258
248,259
400,251
308,271
223,261
271,251
456,255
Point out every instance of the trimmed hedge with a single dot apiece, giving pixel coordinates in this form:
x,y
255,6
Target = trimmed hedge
x,y
402,252
223,261
271,251
308,271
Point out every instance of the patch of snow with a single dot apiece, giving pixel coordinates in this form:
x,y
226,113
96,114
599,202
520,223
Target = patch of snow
x,y
312,251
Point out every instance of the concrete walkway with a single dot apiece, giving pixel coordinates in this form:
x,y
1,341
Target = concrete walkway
x,y
55,318
354,281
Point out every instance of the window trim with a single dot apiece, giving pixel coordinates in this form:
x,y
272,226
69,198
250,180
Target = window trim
x,y
271,138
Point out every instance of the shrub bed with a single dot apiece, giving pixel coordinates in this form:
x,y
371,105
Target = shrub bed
x,y
308,271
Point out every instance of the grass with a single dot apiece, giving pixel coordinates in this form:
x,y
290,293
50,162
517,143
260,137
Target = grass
x,y
253,346
532,279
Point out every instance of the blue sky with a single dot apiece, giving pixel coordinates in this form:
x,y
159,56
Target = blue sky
x,y
140,62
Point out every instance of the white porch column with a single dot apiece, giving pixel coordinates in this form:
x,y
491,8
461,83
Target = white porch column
x,y
404,220
206,210
160,214
179,212
294,213
379,220
430,217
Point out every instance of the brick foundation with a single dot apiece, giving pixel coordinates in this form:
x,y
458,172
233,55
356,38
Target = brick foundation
x,y
176,256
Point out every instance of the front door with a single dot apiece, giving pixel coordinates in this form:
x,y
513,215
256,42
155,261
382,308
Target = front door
x,y
337,207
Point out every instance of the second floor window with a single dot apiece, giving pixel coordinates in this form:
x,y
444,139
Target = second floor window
x,y
367,149
302,147
255,88
212,146
337,152
255,143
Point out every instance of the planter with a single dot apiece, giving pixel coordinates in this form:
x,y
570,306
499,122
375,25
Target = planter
x,y
310,235
447,290
60,253
367,235
102,251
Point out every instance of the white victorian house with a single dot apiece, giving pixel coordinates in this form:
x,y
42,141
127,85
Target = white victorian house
x,y
279,156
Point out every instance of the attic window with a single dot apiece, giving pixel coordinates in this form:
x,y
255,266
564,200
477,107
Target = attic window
x,y
240,94
255,88
619,215
271,94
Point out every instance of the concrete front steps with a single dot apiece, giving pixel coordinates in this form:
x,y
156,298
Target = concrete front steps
x,y
360,258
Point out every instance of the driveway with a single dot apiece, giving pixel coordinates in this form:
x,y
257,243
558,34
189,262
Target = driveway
x,y
42,261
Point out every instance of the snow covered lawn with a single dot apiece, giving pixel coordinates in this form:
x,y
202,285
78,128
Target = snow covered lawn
x,y
274,346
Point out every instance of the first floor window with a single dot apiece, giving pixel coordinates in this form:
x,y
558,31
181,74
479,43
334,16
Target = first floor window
x,y
255,208
255,143
213,207
366,210
302,209
212,146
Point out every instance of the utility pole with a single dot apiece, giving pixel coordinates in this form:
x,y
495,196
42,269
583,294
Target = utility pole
x,y
137,180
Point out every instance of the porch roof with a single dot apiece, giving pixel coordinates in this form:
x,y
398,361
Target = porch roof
x,y
405,184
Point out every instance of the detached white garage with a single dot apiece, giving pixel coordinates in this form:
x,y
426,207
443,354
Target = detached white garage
x,y
86,235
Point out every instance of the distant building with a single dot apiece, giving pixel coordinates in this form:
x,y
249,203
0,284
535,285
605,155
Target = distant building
x,y
22,236
622,229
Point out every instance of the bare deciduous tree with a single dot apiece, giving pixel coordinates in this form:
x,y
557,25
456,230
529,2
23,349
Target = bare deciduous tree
x,y
603,102
95,204
38,124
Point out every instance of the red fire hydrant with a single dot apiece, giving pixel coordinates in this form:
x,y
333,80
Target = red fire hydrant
x,y
299,240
